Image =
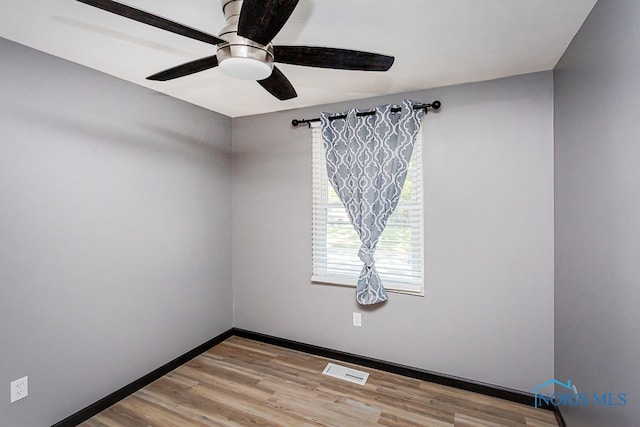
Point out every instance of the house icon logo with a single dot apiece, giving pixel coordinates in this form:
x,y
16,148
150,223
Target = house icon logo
x,y
549,399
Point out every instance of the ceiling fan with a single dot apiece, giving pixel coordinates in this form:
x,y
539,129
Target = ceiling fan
x,y
244,48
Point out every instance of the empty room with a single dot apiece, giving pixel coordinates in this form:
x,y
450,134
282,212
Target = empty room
x,y
319,213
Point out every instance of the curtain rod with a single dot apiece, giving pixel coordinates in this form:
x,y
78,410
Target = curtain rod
x,y
435,105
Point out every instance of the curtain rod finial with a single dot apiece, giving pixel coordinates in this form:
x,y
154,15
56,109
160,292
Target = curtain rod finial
x,y
436,105
295,122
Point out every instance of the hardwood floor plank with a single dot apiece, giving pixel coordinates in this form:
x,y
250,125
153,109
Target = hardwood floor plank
x,y
463,420
426,409
135,412
390,420
482,401
535,422
209,414
152,414
97,422
241,383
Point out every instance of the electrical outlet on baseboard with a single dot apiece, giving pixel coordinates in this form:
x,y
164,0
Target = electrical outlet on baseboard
x,y
19,389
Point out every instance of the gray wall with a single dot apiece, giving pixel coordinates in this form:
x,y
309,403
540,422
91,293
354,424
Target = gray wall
x,y
597,87
488,310
114,232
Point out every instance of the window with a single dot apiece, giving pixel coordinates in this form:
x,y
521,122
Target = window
x,y
399,255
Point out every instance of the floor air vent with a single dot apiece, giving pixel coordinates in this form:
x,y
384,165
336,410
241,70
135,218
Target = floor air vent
x,y
346,374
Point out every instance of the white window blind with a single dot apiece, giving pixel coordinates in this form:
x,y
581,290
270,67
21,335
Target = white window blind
x,y
399,255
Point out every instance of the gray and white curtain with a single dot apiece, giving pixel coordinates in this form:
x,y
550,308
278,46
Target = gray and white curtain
x,y
367,161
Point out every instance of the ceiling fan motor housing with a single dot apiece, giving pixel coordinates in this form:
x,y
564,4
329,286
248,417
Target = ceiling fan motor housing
x,y
240,57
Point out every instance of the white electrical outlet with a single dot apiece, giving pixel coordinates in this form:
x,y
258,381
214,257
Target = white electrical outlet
x,y
19,389
357,319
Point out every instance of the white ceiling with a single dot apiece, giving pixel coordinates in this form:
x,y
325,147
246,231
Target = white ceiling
x,y
435,42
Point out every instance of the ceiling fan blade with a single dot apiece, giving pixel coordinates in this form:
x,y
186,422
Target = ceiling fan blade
x,y
278,85
328,57
153,20
261,20
186,69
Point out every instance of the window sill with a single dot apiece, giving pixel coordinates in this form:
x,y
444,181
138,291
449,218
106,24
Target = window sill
x,y
350,283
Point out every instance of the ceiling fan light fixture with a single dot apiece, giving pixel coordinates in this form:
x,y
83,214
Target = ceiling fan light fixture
x,y
245,68
245,47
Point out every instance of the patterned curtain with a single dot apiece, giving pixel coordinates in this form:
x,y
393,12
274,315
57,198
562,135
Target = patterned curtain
x,y
367,161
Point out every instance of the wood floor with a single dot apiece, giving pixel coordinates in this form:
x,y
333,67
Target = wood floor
x,y
247,383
